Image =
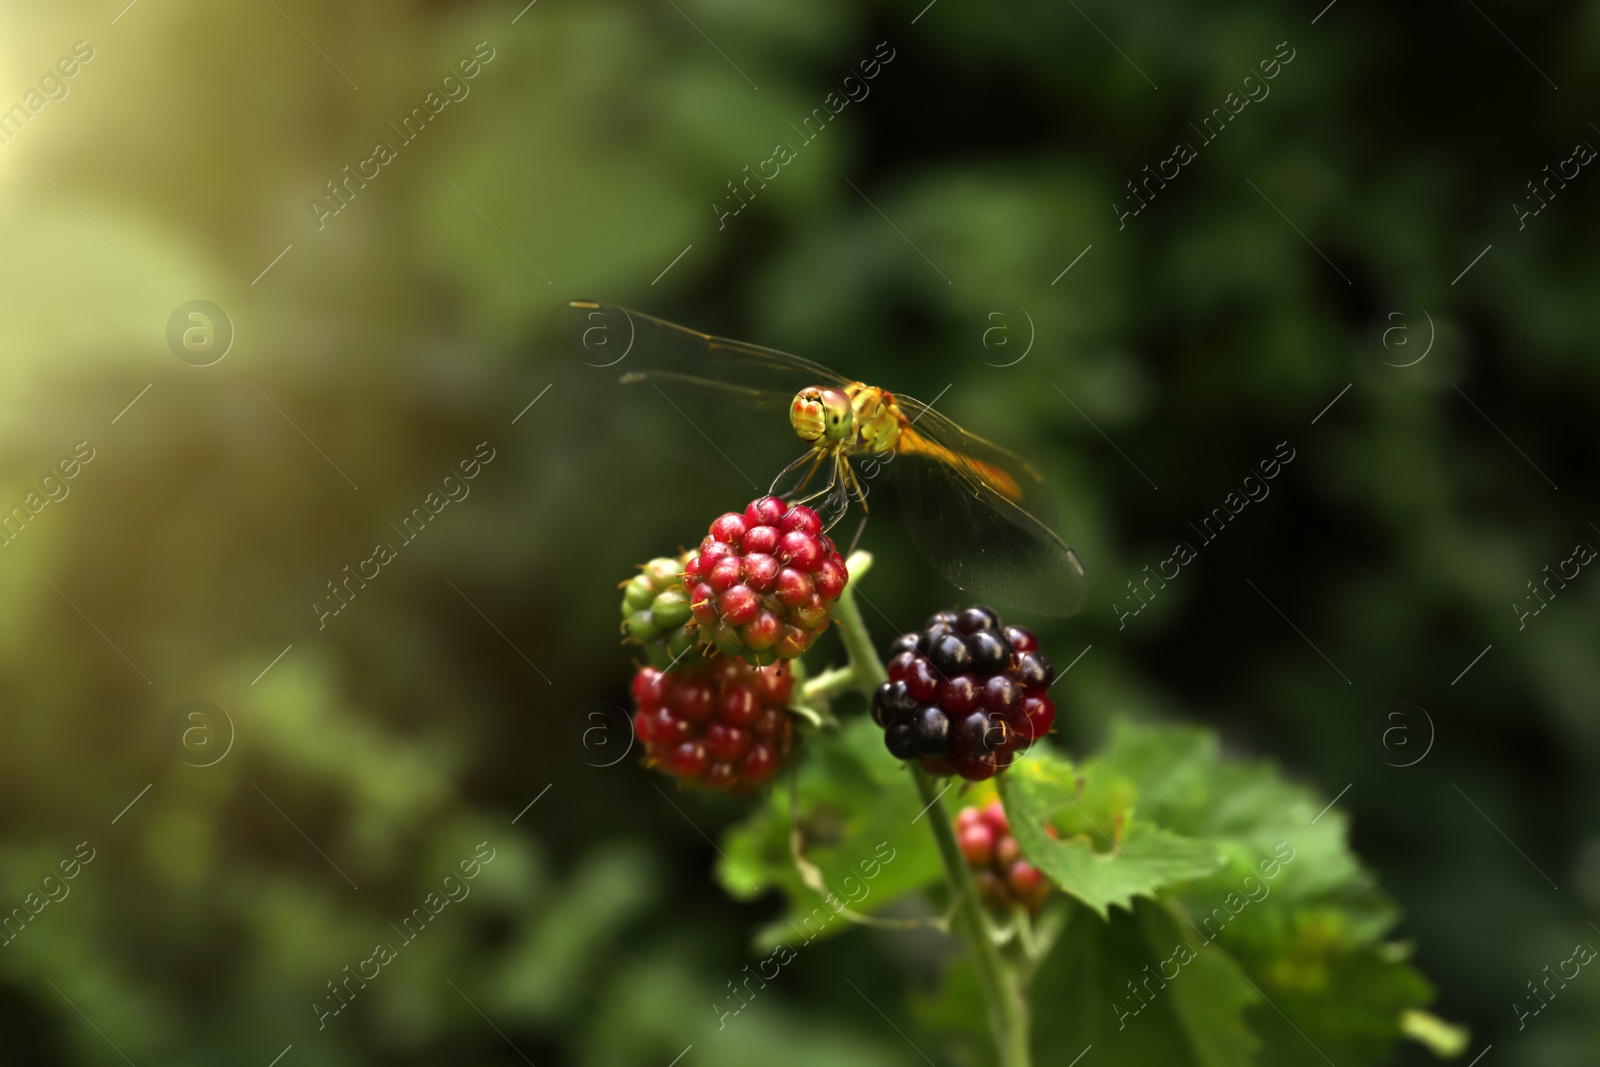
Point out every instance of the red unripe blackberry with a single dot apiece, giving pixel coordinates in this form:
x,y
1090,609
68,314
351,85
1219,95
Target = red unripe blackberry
x,y
668,730
1038,715
1007,851
719,776
766,511
922,680
760,572
728,528
726,572
801,520
691,699
760,540
1024,879
762,584
977,844
647,688
959,694
965,695
740,704
759,765
794,587
800,550
739,605
726,742
830,578
718,722
1004,878
688,760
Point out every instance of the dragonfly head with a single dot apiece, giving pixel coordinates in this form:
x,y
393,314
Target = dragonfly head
x,y
821,416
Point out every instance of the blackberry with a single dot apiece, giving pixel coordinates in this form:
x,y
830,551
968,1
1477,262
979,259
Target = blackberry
x,y
965,695
930,732
763,583
1004,877
715,722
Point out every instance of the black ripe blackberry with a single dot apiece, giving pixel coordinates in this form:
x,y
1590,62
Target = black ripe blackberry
x,y
965,695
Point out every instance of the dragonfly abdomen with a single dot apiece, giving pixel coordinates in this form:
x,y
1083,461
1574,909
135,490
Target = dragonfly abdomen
x,y
910,442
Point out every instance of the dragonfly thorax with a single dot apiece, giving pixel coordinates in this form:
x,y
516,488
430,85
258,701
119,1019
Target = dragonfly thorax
x,y
860,418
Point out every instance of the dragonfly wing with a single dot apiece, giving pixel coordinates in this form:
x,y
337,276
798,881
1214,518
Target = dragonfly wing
x,y
985,544
722,405
973,509
1002,470
643,348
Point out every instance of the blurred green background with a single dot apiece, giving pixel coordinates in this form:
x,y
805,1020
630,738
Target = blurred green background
x,y
387,341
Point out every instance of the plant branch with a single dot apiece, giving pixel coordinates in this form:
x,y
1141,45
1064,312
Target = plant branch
x,y
853,629
1008,1011
828,684
1002,992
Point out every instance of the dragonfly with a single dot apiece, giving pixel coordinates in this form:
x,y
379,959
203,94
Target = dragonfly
x,y
970,506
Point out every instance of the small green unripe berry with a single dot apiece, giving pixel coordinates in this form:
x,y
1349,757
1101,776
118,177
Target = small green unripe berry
x,y
663,654
637,594
671,609
663,573
657,614
642,627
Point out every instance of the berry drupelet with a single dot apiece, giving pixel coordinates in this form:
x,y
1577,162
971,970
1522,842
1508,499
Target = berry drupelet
x,y
1004,877
718,723
965,695
655,609
763,582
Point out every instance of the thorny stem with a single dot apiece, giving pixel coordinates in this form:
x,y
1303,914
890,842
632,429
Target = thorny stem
x,y
1002,991
1008,1011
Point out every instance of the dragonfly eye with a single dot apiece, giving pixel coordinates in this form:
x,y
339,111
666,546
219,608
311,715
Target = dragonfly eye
x,y
821,414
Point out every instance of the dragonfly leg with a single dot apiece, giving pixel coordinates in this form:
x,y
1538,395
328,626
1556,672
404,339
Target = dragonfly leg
x,y
815,456
833,479
833,509
856,540
857,490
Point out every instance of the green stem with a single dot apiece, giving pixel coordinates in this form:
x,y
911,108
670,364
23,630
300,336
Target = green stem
x,y
828,685
1008,1010
1002,991
853,629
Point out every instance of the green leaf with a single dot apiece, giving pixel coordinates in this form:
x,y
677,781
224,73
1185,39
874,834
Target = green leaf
x,y
1209,992
1290,904
1104,986
1104,855
861,825
1284,932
